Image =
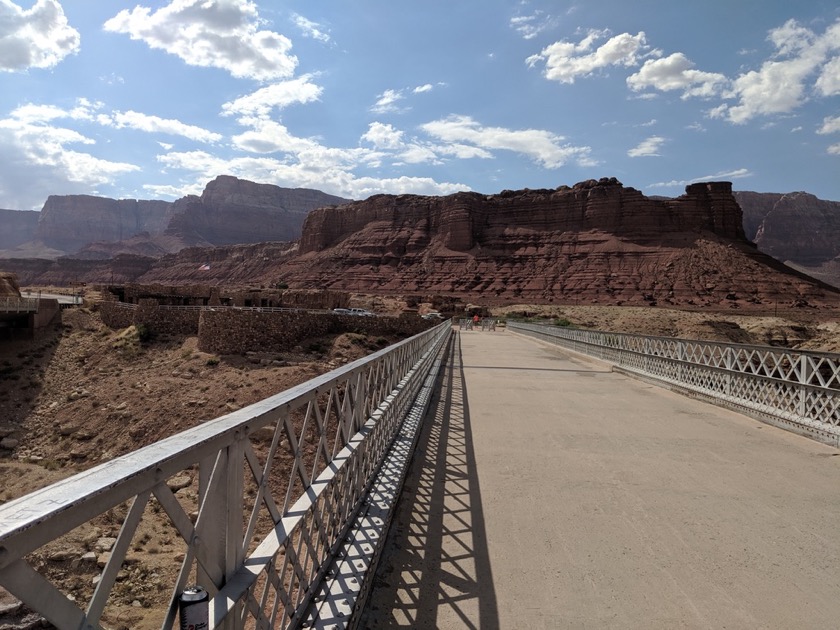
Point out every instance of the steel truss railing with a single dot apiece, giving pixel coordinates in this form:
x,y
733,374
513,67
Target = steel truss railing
x,y
796,389
18,305
279,483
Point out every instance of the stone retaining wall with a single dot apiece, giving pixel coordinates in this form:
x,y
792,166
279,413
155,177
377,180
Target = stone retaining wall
x,y
229,331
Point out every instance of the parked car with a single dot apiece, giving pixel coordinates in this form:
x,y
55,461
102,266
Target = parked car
x,y
341,311
361,312
433,315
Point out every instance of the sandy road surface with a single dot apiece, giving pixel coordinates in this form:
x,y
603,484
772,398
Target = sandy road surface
x,y
548,492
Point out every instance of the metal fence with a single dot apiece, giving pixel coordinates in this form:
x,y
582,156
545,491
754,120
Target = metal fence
x,y
796,389
278,484
18,305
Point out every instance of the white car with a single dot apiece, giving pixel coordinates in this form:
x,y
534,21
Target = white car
x,y
360,312
433,315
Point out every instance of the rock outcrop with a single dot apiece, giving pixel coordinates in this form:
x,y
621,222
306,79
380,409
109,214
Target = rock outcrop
x,y
69,222
232,211
9,286
18,227
229,211
597,242
796,228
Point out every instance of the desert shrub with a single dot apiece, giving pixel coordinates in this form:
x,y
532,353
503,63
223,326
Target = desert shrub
x,y
562,322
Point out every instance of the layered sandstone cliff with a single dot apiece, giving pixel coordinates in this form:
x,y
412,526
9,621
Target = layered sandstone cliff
x,y
68,222
595,242
232,211
795,226
18,226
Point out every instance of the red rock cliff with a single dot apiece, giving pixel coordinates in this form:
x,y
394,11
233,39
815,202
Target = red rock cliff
x,y
463,221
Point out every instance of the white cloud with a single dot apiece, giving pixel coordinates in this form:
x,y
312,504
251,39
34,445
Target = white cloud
x,y
676,72
276,95
383,136
649,123
204,166
543,147
39,37
828,83
830,125
529,26
40,159
310,28
779,86
387,102
211,33
566,61
423,88
155,124
739,173
834,149
647,148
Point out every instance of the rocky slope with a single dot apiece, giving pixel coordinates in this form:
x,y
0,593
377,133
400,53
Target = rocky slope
x,y
597,242
229,211
796,228
18,227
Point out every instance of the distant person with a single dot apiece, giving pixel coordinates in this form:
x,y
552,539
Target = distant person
x,y
476,319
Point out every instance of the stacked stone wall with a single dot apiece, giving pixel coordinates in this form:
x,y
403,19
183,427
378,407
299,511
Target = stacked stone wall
x,y
158,320
232,332
115,316
229,331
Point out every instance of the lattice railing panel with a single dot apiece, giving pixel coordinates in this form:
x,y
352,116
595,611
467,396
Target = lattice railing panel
x,y
798,386
257,500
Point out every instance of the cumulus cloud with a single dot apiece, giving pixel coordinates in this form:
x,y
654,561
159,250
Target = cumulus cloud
x,y
274,96
41,157
676,72
387,102
648,147
39,37
155,124
221,34
834,149
310,28
542,146
830,125
780,85
566,61
383,136
828,83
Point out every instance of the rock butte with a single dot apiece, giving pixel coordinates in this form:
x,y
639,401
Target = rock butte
x,y
597,242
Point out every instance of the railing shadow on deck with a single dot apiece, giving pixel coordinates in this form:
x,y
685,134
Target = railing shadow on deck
x,y
435,570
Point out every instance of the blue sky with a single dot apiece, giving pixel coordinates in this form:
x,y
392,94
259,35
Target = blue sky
x,y
153,100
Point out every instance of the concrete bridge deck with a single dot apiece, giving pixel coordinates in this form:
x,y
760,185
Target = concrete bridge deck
x,y
550,492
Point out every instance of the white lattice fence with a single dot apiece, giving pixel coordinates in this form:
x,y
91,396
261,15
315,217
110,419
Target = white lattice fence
x,y
277,485
800,389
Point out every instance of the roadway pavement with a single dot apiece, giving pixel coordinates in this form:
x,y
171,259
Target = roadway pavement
x,y
550,492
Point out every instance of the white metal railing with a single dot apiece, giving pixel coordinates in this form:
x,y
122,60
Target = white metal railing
x,y
18,305
278,484
797,389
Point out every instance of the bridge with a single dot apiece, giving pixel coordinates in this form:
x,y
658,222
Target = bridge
x,y
555,478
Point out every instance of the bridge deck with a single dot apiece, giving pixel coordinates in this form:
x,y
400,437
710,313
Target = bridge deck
x,y
549,492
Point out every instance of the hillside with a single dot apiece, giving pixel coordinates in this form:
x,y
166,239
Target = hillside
x,y
229,211
597,242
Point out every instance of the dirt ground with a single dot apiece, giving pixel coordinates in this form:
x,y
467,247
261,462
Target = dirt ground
x,y
81,394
